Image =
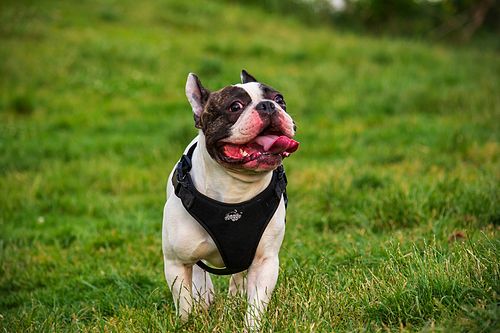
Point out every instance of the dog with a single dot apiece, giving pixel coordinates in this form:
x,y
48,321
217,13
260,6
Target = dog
x,y
226,198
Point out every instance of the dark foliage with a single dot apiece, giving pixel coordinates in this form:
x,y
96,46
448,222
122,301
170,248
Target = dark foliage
x,y
451,19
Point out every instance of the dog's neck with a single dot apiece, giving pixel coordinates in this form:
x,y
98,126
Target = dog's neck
x,y
222,184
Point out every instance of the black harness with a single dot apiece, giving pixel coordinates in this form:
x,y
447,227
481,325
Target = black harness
x,y
235,228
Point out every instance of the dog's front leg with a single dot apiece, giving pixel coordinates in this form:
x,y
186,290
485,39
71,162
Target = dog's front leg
x,y
237,284
261,280
179,279
202,287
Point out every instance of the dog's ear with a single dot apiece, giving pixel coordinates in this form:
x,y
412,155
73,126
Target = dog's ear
x,y
197,96
245,77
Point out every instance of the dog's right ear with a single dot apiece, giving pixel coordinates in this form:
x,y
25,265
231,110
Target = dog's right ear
x,y
246,77
197,96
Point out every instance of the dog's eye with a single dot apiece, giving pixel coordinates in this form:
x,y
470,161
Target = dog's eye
x,y
236,106
280,100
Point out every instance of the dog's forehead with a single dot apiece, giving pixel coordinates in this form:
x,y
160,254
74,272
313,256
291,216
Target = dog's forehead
x,y
254,90
258,91
229,94
248,93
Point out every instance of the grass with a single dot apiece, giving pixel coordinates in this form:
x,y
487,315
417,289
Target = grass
x,y
393,222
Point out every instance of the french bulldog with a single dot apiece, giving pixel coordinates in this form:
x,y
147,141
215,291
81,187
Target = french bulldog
x,y
244,133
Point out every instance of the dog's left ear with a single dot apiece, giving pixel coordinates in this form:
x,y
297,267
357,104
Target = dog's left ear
x,y
245,77
197,96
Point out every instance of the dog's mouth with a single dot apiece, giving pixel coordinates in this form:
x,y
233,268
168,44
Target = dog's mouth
x,y
269,147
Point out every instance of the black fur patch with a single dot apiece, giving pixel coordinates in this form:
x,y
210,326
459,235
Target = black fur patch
x,y
270,93
217,119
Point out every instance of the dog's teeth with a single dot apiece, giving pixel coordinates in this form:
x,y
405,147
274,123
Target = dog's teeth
x,y
243,152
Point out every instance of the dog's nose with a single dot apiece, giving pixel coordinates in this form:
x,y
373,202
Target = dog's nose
x,y
266,106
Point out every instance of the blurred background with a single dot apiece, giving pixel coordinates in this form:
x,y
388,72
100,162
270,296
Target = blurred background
x,y
457,20
393,218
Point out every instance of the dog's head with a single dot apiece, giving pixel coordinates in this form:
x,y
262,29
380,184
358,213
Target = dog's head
x,y
246,125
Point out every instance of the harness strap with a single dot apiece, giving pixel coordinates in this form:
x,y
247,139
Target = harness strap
x,y
236,242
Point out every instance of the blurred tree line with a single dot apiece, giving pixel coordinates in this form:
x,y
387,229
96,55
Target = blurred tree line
x,y
451,19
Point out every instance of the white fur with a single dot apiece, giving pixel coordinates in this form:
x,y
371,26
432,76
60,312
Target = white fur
x,y
185,241
253,89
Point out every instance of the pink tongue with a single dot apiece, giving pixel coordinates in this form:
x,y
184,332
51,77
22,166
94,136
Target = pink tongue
x,y
277,144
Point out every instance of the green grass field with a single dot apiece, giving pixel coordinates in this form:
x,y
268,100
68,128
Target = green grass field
x,y
393,222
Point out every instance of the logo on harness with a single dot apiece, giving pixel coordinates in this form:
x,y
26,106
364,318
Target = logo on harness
x,y
233,216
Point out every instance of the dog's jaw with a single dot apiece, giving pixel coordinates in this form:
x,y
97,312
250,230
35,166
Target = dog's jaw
x,y
243,185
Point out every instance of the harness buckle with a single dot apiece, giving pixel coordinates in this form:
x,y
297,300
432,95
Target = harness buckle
x,y
177,182
281,181
184,166
180,176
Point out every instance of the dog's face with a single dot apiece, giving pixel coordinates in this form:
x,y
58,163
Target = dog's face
x,y
246,125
